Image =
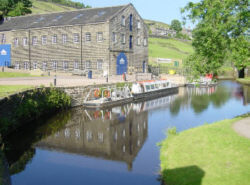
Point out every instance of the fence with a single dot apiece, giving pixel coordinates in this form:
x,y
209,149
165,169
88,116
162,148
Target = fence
x,y
156,70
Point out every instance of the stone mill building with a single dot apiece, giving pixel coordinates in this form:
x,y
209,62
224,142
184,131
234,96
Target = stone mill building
x,y
109,40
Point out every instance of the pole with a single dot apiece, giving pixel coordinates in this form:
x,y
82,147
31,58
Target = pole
x,y
55,80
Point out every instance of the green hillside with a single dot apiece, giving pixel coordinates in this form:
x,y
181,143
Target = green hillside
x,y
47,7
169,48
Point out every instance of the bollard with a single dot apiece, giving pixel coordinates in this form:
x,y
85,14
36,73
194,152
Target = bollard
x,y
107,78
55,80
48,73
3,69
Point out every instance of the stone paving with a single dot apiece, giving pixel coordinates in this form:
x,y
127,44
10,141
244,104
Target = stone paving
x,y
242,127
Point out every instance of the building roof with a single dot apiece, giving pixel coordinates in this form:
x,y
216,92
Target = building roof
x,y
78,17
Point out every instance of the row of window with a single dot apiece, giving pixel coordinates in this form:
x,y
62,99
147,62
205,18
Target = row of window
x,y
55,65
123,39
54,39
123,22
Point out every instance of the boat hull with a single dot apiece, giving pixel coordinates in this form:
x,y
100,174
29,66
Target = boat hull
x,y
155,94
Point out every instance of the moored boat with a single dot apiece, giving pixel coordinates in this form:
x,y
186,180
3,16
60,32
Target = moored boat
x,y
153,88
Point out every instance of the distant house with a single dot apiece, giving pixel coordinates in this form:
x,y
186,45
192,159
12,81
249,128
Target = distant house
x,y
112,40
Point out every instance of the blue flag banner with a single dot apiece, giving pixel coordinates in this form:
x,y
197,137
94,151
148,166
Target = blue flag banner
x,y
5,55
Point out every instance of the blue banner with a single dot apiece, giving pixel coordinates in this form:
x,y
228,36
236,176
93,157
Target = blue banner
x,y
5,55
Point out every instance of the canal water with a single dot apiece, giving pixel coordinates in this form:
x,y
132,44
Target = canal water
x,y
117,146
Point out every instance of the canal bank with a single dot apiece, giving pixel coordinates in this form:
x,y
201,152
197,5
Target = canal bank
x,y
119,144
209,154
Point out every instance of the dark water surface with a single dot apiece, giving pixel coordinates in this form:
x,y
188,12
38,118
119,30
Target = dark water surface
x,y
116,146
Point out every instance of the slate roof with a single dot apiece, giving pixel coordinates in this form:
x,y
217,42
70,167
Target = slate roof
x,y
78,17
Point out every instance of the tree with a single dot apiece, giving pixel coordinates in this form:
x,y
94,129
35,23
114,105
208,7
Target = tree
x,y
14,7
176,25
218,35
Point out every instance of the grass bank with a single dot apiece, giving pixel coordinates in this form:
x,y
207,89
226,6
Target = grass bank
x,y
245,81
15,74
22,108
6,90
211,154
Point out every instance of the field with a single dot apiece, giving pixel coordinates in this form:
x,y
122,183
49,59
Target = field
x,y
169,48
212,154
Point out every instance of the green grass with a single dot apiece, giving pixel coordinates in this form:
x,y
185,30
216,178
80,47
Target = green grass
x,y
245,81
6,90
213,154
48,7
169,48
13,75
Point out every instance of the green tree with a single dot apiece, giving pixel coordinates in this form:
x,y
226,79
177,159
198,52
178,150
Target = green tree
x,y
176,25
218,35
14,7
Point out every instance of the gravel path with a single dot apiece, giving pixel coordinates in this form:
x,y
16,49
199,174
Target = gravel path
x,y
242,127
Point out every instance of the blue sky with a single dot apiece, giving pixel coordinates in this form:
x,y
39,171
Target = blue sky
x,y
160,10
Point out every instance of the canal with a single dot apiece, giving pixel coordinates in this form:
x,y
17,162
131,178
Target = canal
x,y
116,146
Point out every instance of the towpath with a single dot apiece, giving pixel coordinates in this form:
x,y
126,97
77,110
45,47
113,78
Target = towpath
x,y
242,127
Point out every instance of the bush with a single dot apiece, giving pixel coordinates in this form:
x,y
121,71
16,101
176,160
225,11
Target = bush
x,y
28,106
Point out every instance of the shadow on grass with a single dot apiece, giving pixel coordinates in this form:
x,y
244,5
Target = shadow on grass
x,y
190,175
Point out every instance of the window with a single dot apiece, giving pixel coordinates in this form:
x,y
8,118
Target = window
x,y
88,64
44,67
138,41
65,65
25,41
114,37
76,65
26,65
34,40
99,64
64,38
54,39
3,39
123,21
131,22
44,39
130,42
89,135
100,136
145,42
54,65
88,37
139,24
17,65
99,36
123,38
34,65
15,41
76,38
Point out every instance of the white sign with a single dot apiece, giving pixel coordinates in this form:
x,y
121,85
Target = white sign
x,y
164,60
122,61
3,52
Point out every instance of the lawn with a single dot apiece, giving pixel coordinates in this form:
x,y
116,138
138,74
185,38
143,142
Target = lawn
x,y
245,81
169,48
212,154
5,90
13,75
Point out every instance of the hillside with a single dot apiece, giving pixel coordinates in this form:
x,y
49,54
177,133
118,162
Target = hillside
x,y
169,48
47,7
155,24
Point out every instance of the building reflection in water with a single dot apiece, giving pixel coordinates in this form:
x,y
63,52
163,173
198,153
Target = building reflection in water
x,y
117,134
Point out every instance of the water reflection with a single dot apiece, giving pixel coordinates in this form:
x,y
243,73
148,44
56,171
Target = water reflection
x,y
199,98
116,134
117,137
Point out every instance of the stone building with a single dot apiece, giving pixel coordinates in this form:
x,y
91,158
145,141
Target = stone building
x,y
109,40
